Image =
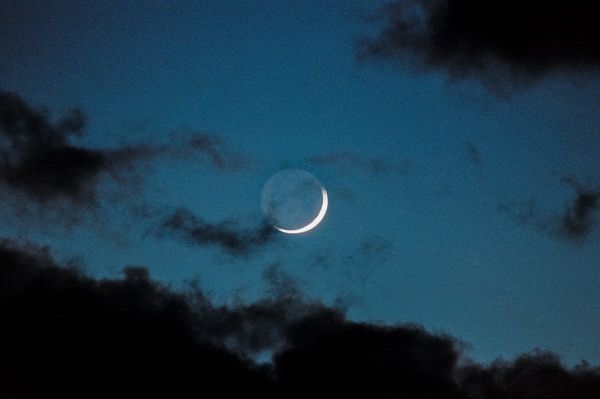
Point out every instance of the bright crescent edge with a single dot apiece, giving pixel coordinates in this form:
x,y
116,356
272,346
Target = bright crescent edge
x,y
316,220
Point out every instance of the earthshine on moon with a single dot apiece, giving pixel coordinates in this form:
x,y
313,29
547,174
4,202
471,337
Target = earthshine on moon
x,y
315,221
294,201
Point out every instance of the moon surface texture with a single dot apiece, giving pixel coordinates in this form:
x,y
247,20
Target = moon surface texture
x,y
294,201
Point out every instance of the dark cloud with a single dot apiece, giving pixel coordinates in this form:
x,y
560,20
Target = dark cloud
x,y
504,43
576,223
67,335
227,235
39,159
328,354
580,218
351,160
536,375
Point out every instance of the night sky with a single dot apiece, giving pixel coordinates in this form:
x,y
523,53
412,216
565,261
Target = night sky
x,y
458,142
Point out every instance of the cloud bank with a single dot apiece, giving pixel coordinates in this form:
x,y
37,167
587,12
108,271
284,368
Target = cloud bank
x,y
65,334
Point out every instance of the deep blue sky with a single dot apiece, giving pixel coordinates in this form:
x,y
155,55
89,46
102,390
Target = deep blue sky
x,y
421,239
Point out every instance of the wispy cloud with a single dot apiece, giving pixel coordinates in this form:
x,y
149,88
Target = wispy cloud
x,y
227,235
576,222
45,175
348,160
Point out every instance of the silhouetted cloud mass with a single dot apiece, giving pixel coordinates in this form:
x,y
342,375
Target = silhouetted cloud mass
x,y
227,235
503,43
65,334
37,157
536,375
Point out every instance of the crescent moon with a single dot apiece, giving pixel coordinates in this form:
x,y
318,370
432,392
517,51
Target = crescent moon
x,y
315,221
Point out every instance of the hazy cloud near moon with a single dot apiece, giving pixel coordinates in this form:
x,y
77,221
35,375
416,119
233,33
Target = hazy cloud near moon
x,y
66,334
228,235
503,43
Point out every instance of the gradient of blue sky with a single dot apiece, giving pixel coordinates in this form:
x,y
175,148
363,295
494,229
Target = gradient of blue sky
x,y
279,82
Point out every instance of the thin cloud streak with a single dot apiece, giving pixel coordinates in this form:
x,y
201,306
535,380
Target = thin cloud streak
x,y
227,235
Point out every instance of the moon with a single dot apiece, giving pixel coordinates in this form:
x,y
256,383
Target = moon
x,y
315,221
294,201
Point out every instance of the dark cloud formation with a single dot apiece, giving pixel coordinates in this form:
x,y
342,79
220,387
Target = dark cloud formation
x,y
576,223
536,375
227,235
350,160
39,159
67,335
504,43
580,218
